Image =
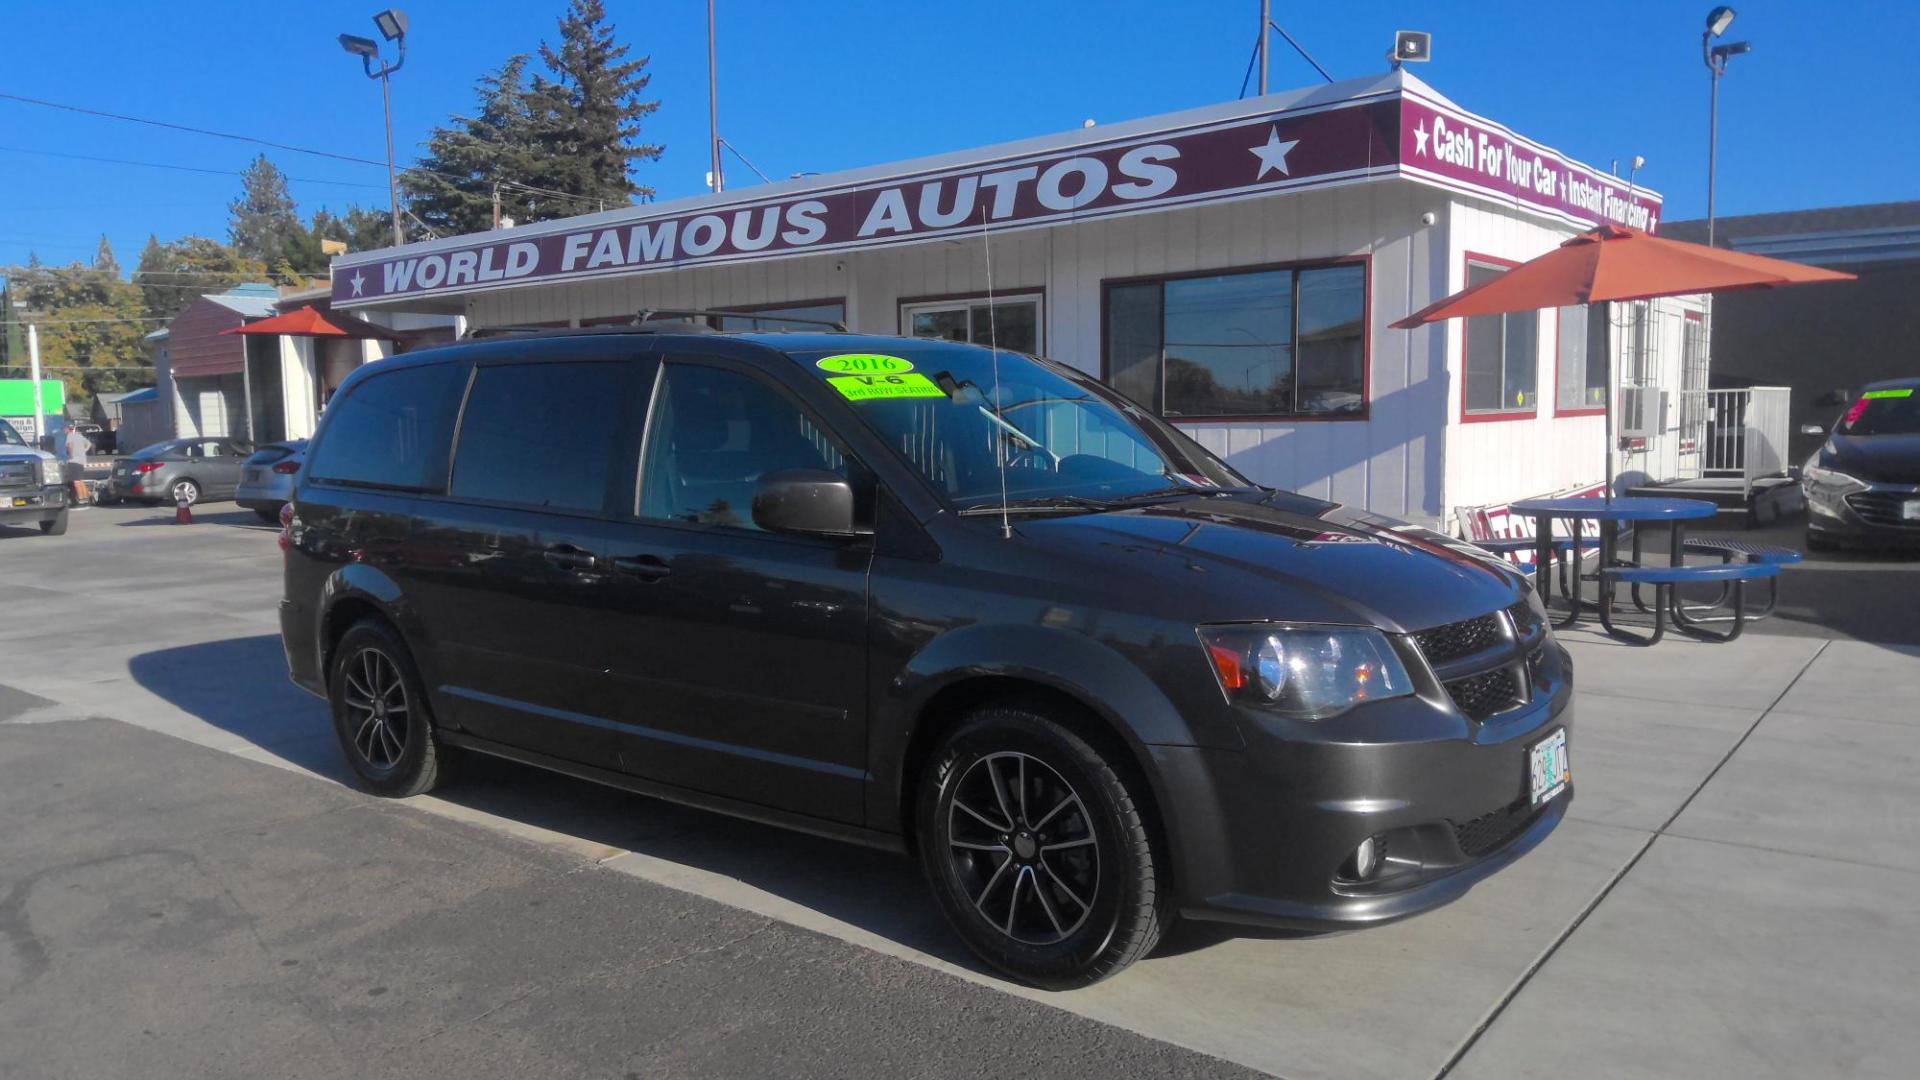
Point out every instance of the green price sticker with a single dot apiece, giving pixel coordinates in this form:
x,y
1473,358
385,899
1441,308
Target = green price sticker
x,y
864,364
1873,395
880,387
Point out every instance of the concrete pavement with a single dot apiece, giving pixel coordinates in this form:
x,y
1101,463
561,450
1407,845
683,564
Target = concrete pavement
x,y
1730,894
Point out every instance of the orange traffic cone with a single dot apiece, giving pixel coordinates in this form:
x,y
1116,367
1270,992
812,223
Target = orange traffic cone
x,y
182,510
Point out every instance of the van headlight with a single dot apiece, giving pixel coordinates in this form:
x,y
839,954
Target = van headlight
x,y
51,475
1306,672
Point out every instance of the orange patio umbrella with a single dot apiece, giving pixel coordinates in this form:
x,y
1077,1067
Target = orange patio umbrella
x,y
312,322
1613,262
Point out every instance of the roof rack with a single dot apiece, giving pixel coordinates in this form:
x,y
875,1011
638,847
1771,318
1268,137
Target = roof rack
x,y
656,321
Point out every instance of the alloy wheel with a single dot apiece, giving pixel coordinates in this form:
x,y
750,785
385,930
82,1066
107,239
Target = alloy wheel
x,y
185,491
1020,841
377,708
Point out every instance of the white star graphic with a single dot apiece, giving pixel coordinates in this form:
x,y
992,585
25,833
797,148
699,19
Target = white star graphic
x,y
1420,136
358,280
1273,155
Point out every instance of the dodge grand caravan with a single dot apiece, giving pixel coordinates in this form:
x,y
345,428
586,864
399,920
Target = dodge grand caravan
x,y
909,593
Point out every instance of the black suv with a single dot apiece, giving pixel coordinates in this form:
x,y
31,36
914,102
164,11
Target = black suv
x,y
918,595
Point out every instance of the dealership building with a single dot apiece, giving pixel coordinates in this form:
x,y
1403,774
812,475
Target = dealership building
x,y
1236,267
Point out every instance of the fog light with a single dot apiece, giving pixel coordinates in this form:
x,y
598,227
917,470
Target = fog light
x,y
1366,858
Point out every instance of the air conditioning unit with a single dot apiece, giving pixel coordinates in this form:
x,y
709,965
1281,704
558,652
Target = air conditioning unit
x,y
1643,412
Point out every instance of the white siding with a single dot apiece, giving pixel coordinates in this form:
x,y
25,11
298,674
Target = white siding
x,y
1389,463
1497,461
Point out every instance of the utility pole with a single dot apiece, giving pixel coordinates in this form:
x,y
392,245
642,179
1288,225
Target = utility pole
x,y
1266,17
713,103
393,186
33,377
496,206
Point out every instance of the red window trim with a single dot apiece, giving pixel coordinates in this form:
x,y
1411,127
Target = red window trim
x,y
1504,415
1559,412
1363,260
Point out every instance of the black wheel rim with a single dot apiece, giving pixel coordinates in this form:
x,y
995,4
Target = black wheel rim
x,y
378,711
1021,846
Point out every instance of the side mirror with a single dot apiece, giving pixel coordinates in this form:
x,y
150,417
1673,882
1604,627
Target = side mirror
x,y
810,502
1812,429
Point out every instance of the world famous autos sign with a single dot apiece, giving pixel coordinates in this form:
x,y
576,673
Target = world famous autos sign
x,y
1315,145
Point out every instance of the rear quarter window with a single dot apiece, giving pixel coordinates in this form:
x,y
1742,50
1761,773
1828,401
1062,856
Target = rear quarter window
x,y
393,430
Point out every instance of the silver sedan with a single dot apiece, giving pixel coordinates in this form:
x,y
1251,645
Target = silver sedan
x,y
266,478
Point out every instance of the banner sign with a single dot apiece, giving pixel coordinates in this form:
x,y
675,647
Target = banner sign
x,y
1462,150
1499,522
1373,135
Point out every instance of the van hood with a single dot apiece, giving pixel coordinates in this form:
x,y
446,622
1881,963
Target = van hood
x,y
1289,557
1886,459
17,453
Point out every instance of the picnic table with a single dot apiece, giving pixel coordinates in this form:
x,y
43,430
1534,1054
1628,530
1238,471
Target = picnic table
x,y
1639,510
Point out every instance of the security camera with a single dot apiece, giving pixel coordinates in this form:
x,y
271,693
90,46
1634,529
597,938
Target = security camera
x,y
1429,218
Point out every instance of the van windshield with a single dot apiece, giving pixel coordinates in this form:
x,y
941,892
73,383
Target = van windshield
x,y
1884,412
1064,441
10,437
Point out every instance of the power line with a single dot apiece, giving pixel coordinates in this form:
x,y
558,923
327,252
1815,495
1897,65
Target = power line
x,y
288,147
176,168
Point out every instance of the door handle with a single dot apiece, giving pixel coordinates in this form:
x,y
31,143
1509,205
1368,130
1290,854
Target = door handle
x,y
649,567
568,557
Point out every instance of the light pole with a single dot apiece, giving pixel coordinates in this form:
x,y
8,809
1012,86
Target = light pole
x,y
393,26
1716,57
713,103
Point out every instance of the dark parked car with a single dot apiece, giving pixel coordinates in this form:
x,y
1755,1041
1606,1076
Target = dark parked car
x,y
179,469
894,591
1863,486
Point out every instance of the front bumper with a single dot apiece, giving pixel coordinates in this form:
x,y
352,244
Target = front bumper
x,y
32,504
1264,835
1863,513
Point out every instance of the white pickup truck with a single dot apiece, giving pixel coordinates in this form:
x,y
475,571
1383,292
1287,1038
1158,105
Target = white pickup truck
x,y
32,487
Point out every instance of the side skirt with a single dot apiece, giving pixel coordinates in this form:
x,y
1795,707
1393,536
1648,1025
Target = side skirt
x,y
832,830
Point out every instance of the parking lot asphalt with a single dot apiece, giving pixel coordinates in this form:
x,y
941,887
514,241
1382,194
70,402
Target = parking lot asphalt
x,y
1729,896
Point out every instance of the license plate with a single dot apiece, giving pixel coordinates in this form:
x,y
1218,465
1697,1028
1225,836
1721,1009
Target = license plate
x,y
1910,510
1547,766
253,476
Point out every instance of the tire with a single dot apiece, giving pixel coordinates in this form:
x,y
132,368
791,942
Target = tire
x,y
393,751
57,526
1060,924
271,517
189,487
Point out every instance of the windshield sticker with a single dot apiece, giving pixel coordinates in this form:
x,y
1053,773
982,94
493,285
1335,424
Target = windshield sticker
x,y
878,387
864,364
1875,395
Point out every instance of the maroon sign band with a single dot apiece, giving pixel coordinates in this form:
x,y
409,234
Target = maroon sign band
x,y
1463,150
1373,136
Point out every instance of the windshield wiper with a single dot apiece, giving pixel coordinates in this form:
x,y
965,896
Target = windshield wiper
x,y
1038,504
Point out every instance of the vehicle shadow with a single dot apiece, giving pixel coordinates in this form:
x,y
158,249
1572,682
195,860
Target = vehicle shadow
x,y
238,519
240,686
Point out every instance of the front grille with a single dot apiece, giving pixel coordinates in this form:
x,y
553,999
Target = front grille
x,y
1882,508
1526,621
1486,694
1489,831
19,474
1455,640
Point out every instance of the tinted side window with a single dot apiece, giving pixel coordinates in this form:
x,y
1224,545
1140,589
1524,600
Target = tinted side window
x,y
543,434
393,429
714,434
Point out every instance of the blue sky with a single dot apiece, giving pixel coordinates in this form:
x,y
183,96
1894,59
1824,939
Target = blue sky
x,y
1816,115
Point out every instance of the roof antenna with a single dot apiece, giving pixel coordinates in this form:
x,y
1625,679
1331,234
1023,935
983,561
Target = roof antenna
x,y
993,344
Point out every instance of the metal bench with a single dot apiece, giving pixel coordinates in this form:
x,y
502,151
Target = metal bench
x,y
1509,546
1731,549
1664,579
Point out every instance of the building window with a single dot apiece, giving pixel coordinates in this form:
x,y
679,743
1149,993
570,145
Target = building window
x,y
1502,356
1636,343
1013,322
1283,343
1693,376
809,316
1580,382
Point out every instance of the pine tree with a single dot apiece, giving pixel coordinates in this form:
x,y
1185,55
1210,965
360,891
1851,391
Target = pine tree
x,y
452,190
171,276
103,259
589,114
262,223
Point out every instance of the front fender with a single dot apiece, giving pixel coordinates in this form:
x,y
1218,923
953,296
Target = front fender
x,y
1063,660
365,583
